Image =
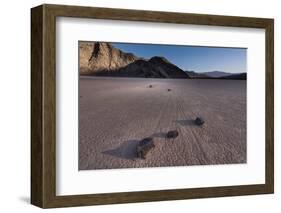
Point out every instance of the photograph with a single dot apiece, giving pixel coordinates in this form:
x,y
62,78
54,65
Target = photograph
x,y
143,105
161,105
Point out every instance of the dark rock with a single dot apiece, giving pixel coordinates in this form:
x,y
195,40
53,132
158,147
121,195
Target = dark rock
x,y
199,121
172,134
150,86
144,146
169,90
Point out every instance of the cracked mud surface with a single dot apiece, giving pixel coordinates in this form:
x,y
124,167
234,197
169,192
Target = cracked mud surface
x,y
116,113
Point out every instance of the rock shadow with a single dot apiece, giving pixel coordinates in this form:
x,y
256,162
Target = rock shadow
x,y
127,150
159,135
187,122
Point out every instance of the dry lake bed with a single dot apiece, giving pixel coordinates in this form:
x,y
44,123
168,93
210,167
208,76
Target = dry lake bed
x,y
116,113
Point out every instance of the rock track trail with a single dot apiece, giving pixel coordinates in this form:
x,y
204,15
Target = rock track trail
x,y
116,113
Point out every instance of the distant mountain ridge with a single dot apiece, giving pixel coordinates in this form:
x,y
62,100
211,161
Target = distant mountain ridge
x,y
102,59
238,76
217,75
194,74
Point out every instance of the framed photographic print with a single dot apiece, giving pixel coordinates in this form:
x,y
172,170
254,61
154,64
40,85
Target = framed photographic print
x,y
135,106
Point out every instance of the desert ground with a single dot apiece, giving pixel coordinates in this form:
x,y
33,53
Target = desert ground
x,y
116,113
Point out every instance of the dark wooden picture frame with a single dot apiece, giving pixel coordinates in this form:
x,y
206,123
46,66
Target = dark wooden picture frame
x,y
43,105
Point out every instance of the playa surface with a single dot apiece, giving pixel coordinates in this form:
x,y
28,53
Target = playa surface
x,y
116,113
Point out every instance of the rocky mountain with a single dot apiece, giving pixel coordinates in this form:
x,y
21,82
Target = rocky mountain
x,y
98,57
156,67
102,59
